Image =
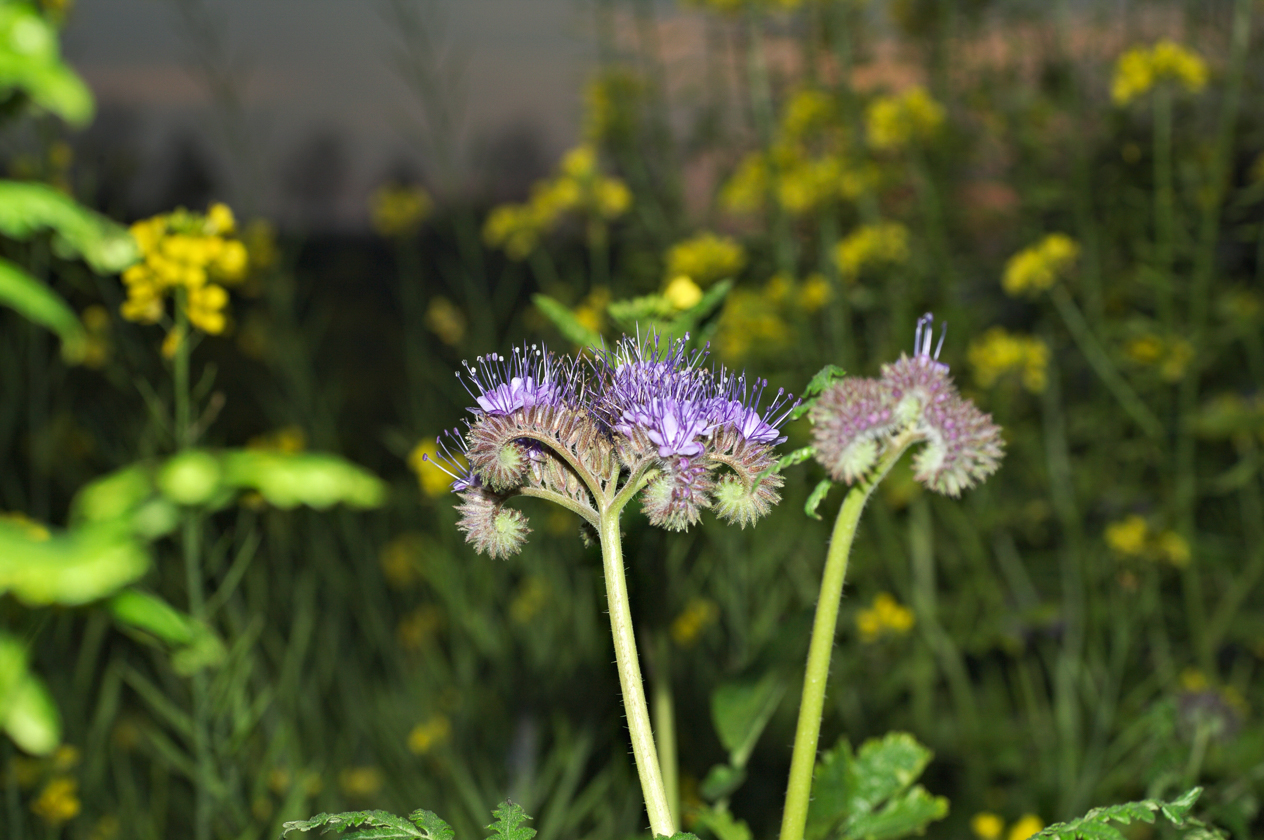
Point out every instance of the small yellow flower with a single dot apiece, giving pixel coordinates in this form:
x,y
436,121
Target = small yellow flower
x,y
445,320
429,734
805,112
698,615
814,293
682,292
885,616
884,243
360,782
986,825
397,211
1171,355
58,802
1146,349
531,597
1173,548
514,228
220,219
1027,825
1128,535
894,122
1141,68
613,198
434,481
1035,269
206,308
706,258
997,352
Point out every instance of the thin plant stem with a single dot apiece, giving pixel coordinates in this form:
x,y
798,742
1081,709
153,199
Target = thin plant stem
x,y
634,705
665,726
808,732
1164,206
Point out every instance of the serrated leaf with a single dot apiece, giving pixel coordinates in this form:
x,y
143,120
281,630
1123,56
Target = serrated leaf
x,y
430,824
798,456
817,384
628,313
37,302
882,768
818,495
829,791
382,825
28,208
1096,824
741,709
722,824
907,813
565,321
509,822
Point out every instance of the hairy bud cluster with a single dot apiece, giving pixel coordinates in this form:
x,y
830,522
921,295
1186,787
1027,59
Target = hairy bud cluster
x,y
856,419
580,430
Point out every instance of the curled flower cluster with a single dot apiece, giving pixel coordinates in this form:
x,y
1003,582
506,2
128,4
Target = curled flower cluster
x,y
1034,270
645,418
857,420
195,251
1141,68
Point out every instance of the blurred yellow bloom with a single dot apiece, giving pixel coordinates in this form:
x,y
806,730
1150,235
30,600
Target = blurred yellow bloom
x,y
706,258
1173,548
746,190
749,320
884,243
698,615
171,342
682,292
429,734
96,325
206,308
289,438
886,615
1192,679
1141,68
220,220
1034,270
814,293
418,627
514,228
806,184
592,311
986,825
1128,535
1027,825
397,211
360,782
445,320
434,481
894,122
532,595
807,111
1172,356
58,802
997,352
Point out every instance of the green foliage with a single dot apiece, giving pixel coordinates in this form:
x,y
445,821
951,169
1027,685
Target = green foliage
x,y
1096,824
509,823
28,714
30,62
383,825
565,321
818,494
741,709
34,300
721,823
818,383
71,567
871,795
28,208
195,645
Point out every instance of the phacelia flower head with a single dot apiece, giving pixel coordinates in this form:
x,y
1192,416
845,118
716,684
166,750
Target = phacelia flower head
x,y
856,420
503,384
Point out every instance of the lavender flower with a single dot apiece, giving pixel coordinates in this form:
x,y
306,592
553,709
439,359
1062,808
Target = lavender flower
x,y
855,421
501,385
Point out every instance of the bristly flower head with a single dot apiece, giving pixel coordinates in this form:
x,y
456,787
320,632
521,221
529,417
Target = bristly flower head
x,y
646,414
857,419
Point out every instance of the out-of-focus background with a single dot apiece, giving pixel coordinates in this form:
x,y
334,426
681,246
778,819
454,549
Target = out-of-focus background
x,y
1076,187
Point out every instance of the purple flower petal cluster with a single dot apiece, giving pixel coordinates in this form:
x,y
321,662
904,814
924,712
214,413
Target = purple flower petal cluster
x,y
856,419
647,412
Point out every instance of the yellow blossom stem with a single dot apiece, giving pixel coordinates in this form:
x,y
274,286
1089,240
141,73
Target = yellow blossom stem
x,y
642,734
811,706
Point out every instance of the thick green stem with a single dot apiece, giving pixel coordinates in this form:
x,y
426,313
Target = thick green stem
x,y
642,734
811,706
665,726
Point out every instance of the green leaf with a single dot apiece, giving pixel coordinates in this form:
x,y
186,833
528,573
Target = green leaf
x,y
818,495
378,825
798,456
905,814
30,61
720,782
824,377
710,301
32,719
884,767
290,479
431,826
740,710
71,568
1096,824
722,824
566,322
37,302
509,822
153,615
681,835
28,208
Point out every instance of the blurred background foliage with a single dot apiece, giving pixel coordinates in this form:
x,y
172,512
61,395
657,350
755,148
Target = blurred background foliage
x,y
1076,187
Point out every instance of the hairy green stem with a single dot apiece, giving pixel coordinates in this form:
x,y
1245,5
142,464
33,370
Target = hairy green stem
x,y
803,760
642,734
665,725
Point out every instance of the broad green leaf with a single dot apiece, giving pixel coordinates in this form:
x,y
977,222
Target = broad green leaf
x,y
73,567
722,824
720,782
908,813
37,302
1097,823
153,615
290,479
882,768
817,496
30,61
740,710
830,792
378,825
509,823
566,322
31,718
28,208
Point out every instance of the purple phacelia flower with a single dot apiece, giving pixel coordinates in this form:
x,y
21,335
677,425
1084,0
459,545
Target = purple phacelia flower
x,y
504,384
855,419
453,458
738,406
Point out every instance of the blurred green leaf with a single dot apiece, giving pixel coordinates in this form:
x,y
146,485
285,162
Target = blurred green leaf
x,y
153,615
37,302
822,380
566,322
192,477
798,456
818,495
70,568
720,782
30,61
27,712
27,208
722,824
290,479
740,710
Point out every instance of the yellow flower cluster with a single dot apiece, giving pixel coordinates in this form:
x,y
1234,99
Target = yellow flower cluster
x,y
1133,537
429,734
1141,68
895,122
1034,270
706,258
433,481
698,615
988,826
682,292
578,187
997,352
885,616
758,319
591,312
397,211
445,320
868,246
360,782
58,802
191,254
1172,356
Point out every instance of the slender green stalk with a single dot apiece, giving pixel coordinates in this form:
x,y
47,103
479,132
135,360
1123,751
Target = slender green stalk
x,y
665,726
639,728
1164,205
803,760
